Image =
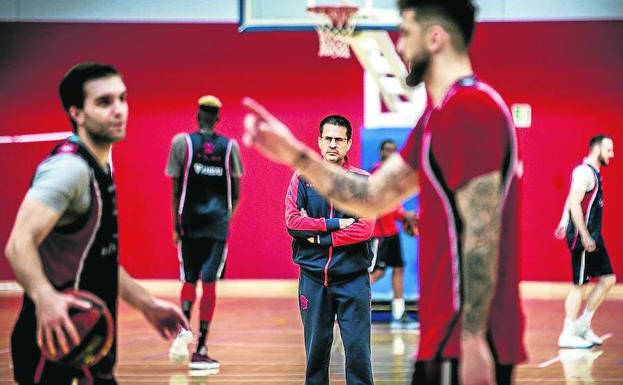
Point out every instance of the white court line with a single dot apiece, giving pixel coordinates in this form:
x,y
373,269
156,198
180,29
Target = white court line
x,y
35,137
558,358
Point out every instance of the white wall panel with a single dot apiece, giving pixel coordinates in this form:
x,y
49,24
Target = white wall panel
x,y
227,10
121,10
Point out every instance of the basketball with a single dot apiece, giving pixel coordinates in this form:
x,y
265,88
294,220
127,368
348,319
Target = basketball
x,y
96,331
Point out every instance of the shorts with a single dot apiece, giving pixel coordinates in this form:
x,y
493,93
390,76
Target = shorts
x,y
447,372
388,252
587,265
202,258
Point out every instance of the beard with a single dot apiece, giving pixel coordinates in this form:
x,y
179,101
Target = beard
x,y
101,134
602,161
418,70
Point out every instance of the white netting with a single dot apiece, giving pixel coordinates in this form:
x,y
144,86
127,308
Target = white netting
x,y
335,31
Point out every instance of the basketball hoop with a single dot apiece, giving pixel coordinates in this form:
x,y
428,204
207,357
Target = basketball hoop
x,y
334,34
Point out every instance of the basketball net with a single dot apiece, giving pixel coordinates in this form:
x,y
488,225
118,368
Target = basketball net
x,y
335,30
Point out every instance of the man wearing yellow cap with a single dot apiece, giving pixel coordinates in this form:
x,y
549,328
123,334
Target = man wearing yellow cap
x,y
206,171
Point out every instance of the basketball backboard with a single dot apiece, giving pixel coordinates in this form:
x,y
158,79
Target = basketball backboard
x,y
292,15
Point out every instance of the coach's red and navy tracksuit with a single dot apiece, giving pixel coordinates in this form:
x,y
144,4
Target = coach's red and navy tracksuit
x,y
333,282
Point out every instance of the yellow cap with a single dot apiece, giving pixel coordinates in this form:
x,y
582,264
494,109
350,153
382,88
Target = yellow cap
x,y
209,101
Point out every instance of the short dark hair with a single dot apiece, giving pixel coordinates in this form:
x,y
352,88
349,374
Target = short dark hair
x,y
337,120
71,88
459,14
386,141
597,140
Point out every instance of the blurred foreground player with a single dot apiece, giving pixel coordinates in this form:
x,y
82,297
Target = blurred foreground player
x,y
65,236
462,154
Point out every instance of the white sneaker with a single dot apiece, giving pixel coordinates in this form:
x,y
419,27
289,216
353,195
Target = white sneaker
x,y
571,341
179,348
404,323
590,336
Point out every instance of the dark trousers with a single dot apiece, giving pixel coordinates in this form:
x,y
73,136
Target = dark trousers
x,y
319,306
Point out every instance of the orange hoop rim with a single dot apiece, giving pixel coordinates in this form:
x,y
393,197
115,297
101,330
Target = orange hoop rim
x,y
338,14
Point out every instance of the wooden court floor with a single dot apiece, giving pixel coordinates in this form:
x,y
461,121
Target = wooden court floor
x,y
258,340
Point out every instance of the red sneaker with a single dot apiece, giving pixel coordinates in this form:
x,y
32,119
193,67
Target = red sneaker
x,y
203,362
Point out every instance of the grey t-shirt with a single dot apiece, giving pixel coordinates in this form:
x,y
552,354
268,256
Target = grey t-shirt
x,y
175,164
62,182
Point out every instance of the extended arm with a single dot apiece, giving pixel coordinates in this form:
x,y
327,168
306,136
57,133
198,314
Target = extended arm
x,y
164,316
363,197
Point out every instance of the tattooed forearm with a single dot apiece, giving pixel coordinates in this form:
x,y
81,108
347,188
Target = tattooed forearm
x,y
362,196
348,187
479,203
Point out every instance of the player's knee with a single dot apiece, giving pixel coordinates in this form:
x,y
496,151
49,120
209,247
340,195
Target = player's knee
x,y
608,280
378,273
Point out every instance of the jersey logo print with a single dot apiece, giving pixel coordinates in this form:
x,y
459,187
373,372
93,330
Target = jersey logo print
x,y
208,148
201,169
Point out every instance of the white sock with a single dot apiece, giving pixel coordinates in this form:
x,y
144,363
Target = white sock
x,y
568,326
398,307
586,317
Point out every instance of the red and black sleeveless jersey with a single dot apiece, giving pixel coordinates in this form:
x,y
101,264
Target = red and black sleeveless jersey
x,y
469,134
84,254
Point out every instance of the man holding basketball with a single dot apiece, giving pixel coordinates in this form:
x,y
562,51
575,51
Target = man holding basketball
x,y
462,155
65,236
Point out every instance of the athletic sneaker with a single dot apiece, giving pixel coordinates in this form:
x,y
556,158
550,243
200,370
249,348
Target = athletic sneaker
x,y
203,362
179,348
405,323
572,341
589,335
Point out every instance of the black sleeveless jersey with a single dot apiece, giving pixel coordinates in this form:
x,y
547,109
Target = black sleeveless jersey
x,y
592,209
205,203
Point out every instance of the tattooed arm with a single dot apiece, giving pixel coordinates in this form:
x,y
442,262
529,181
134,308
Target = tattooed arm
x,y
479,204
365,197
382,192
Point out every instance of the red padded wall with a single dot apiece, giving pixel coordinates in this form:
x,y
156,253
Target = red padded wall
x,y
568,71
